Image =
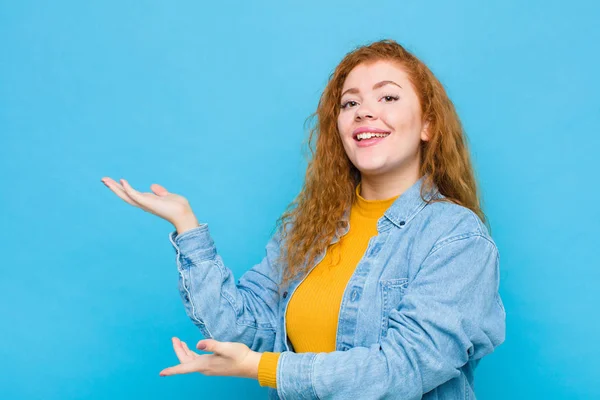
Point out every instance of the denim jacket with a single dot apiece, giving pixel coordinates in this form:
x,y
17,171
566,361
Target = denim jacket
x,y
418,314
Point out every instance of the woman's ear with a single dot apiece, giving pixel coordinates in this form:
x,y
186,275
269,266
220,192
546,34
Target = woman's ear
x,y
425,132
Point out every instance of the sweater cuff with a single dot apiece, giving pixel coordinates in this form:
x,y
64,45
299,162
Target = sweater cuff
x,y
267,369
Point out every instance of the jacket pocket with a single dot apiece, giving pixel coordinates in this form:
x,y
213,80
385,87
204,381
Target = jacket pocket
x,y
392,291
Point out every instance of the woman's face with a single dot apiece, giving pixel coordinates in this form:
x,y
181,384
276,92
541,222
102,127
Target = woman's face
x,y
380,97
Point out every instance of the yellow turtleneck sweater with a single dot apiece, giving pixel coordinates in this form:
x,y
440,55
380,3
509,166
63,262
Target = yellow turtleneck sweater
x,y
312,313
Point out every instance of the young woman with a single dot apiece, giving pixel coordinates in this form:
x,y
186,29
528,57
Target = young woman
x,y
381,280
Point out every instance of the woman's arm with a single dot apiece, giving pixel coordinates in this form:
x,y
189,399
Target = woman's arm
x,y
450,314
244,313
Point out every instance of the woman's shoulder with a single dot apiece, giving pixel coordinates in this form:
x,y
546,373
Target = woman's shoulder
x,y
451,221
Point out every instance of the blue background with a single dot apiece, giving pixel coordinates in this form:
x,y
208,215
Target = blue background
x,y
209,100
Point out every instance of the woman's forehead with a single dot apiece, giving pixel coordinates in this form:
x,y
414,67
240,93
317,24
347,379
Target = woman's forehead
x,y
364,75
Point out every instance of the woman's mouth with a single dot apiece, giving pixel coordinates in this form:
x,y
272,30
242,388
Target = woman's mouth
x,y
369,139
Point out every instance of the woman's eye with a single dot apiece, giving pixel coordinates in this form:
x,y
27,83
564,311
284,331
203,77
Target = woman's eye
x,y
389,96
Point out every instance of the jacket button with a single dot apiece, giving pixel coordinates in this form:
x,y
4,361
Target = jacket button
x,y
284,295
402,223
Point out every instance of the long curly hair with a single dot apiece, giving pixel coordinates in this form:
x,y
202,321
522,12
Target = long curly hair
x,y
310,222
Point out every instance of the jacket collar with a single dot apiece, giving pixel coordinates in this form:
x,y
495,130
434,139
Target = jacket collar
x,y
409,203
403,209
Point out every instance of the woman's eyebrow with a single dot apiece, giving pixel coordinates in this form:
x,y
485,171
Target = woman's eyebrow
x,y
375,86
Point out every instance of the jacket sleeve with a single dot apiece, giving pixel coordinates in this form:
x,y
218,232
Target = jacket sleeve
x,y
245,312
451,313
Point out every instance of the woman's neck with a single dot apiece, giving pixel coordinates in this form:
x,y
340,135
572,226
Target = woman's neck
x,y
380,187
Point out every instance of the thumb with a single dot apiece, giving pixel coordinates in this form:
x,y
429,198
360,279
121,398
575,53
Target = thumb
x,y
159,190
209,345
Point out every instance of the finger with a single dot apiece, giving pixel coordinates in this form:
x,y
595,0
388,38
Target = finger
x,y
190,354
131,192
179,351
143,199
159,190
209,345
118,190
181,369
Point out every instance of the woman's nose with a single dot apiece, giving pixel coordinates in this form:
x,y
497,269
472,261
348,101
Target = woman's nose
x,y
360,114
364,112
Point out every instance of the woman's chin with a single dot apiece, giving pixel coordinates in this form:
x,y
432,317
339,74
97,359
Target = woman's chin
x,y
371,169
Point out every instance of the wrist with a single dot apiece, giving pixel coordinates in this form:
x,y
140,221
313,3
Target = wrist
x,y
252,361
186,223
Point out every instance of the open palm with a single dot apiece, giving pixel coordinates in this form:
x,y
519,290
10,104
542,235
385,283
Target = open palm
x,y
228,359
160,201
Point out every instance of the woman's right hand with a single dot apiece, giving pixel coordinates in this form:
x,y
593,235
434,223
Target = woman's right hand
x,y
169,206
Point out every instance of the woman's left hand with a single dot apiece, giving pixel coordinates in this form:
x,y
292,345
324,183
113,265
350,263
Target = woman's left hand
x,y
228,359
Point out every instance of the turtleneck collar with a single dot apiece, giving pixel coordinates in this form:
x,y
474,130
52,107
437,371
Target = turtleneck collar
x,y
371,208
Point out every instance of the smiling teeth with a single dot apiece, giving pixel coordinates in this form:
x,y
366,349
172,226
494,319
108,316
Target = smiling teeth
x,y
369,135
